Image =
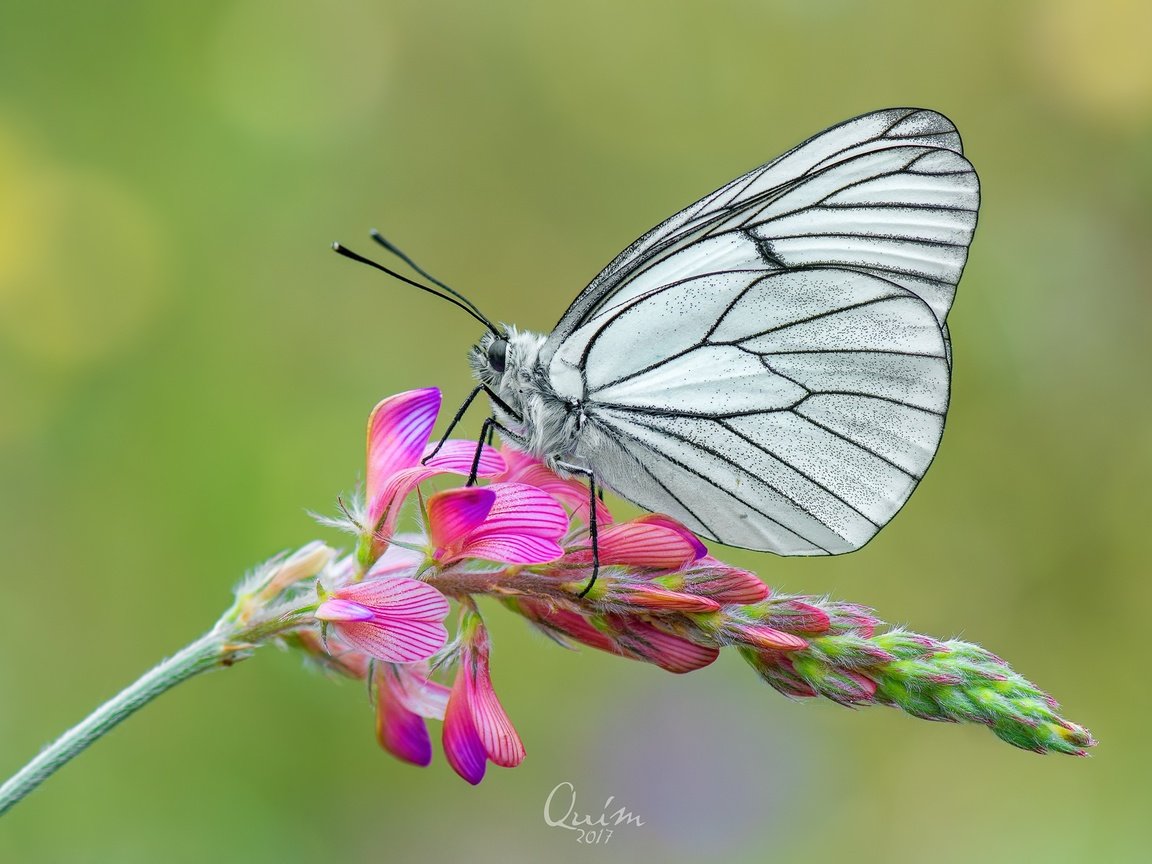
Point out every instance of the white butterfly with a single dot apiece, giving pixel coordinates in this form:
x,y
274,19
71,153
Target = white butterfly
x,y
771,365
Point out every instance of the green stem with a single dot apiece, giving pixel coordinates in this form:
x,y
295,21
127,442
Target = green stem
x,y
205,653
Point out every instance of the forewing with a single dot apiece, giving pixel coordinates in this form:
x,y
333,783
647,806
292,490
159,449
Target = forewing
x,y
889,191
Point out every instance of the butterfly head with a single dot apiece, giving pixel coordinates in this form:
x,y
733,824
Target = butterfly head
x,y
505,361
489,359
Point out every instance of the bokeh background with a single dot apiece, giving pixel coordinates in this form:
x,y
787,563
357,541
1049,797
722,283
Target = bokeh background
x,y
185,368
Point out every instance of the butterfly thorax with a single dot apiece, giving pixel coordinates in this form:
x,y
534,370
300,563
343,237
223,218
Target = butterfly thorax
x,y
544,424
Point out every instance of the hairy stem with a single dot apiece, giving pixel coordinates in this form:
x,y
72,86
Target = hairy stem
x,y
227,643
205,653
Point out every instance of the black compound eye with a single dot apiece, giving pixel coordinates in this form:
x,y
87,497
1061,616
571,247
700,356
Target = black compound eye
x,y
497,353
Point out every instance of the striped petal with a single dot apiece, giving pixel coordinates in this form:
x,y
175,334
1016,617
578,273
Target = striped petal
x,y
456,457
462,744
647,596
400,731
513,549
454,514
417,693
398,431
395,641
770,638
651,541
339,610
384,508
523,510
647,642
725,584
496,732
398,598
570,492
398,561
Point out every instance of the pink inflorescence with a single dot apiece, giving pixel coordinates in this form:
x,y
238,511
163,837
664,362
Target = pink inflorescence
x,y
522,536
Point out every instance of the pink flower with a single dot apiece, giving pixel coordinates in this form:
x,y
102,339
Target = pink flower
x,y
506,522
397,620
653,542
796,616
762,636
623,635
404,698
572,493
399,431
644,594
476,729
642,640
718,581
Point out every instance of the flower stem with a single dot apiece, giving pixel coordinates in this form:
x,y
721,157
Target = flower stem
x,y
205,653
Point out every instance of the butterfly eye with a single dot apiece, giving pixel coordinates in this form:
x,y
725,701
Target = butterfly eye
x,y
497,353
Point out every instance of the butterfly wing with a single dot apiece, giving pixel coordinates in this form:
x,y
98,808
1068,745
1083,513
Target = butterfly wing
x,y
737,201
770,365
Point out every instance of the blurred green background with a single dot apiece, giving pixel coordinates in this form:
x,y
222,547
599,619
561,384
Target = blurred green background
x,y
185,368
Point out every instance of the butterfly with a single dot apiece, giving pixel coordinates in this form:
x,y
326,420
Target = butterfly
x,y
771,365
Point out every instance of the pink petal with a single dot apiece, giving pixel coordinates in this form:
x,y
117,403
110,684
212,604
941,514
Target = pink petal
x,y
397,598
724,584
387,502
571,624
416,693
398,430
496,731
456,457
391,496
671,524
513,549
340,610
770,638
651,541
396,641
456,513
398,561
654,597
663,649
462,745
572,493
523,510
400,731
796,615
654,541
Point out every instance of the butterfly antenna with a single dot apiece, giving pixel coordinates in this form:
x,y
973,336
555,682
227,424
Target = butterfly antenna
x,y
407,259
475,313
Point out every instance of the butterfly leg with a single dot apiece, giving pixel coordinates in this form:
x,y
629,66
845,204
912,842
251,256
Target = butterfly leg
x,y
491,424
456,419
594,494
460,414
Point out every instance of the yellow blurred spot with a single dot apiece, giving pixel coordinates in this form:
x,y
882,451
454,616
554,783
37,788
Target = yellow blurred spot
x,y
80,273
1096,58
298,71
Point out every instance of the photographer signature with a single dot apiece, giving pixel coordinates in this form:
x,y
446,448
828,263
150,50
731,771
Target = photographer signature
x,y
592,829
